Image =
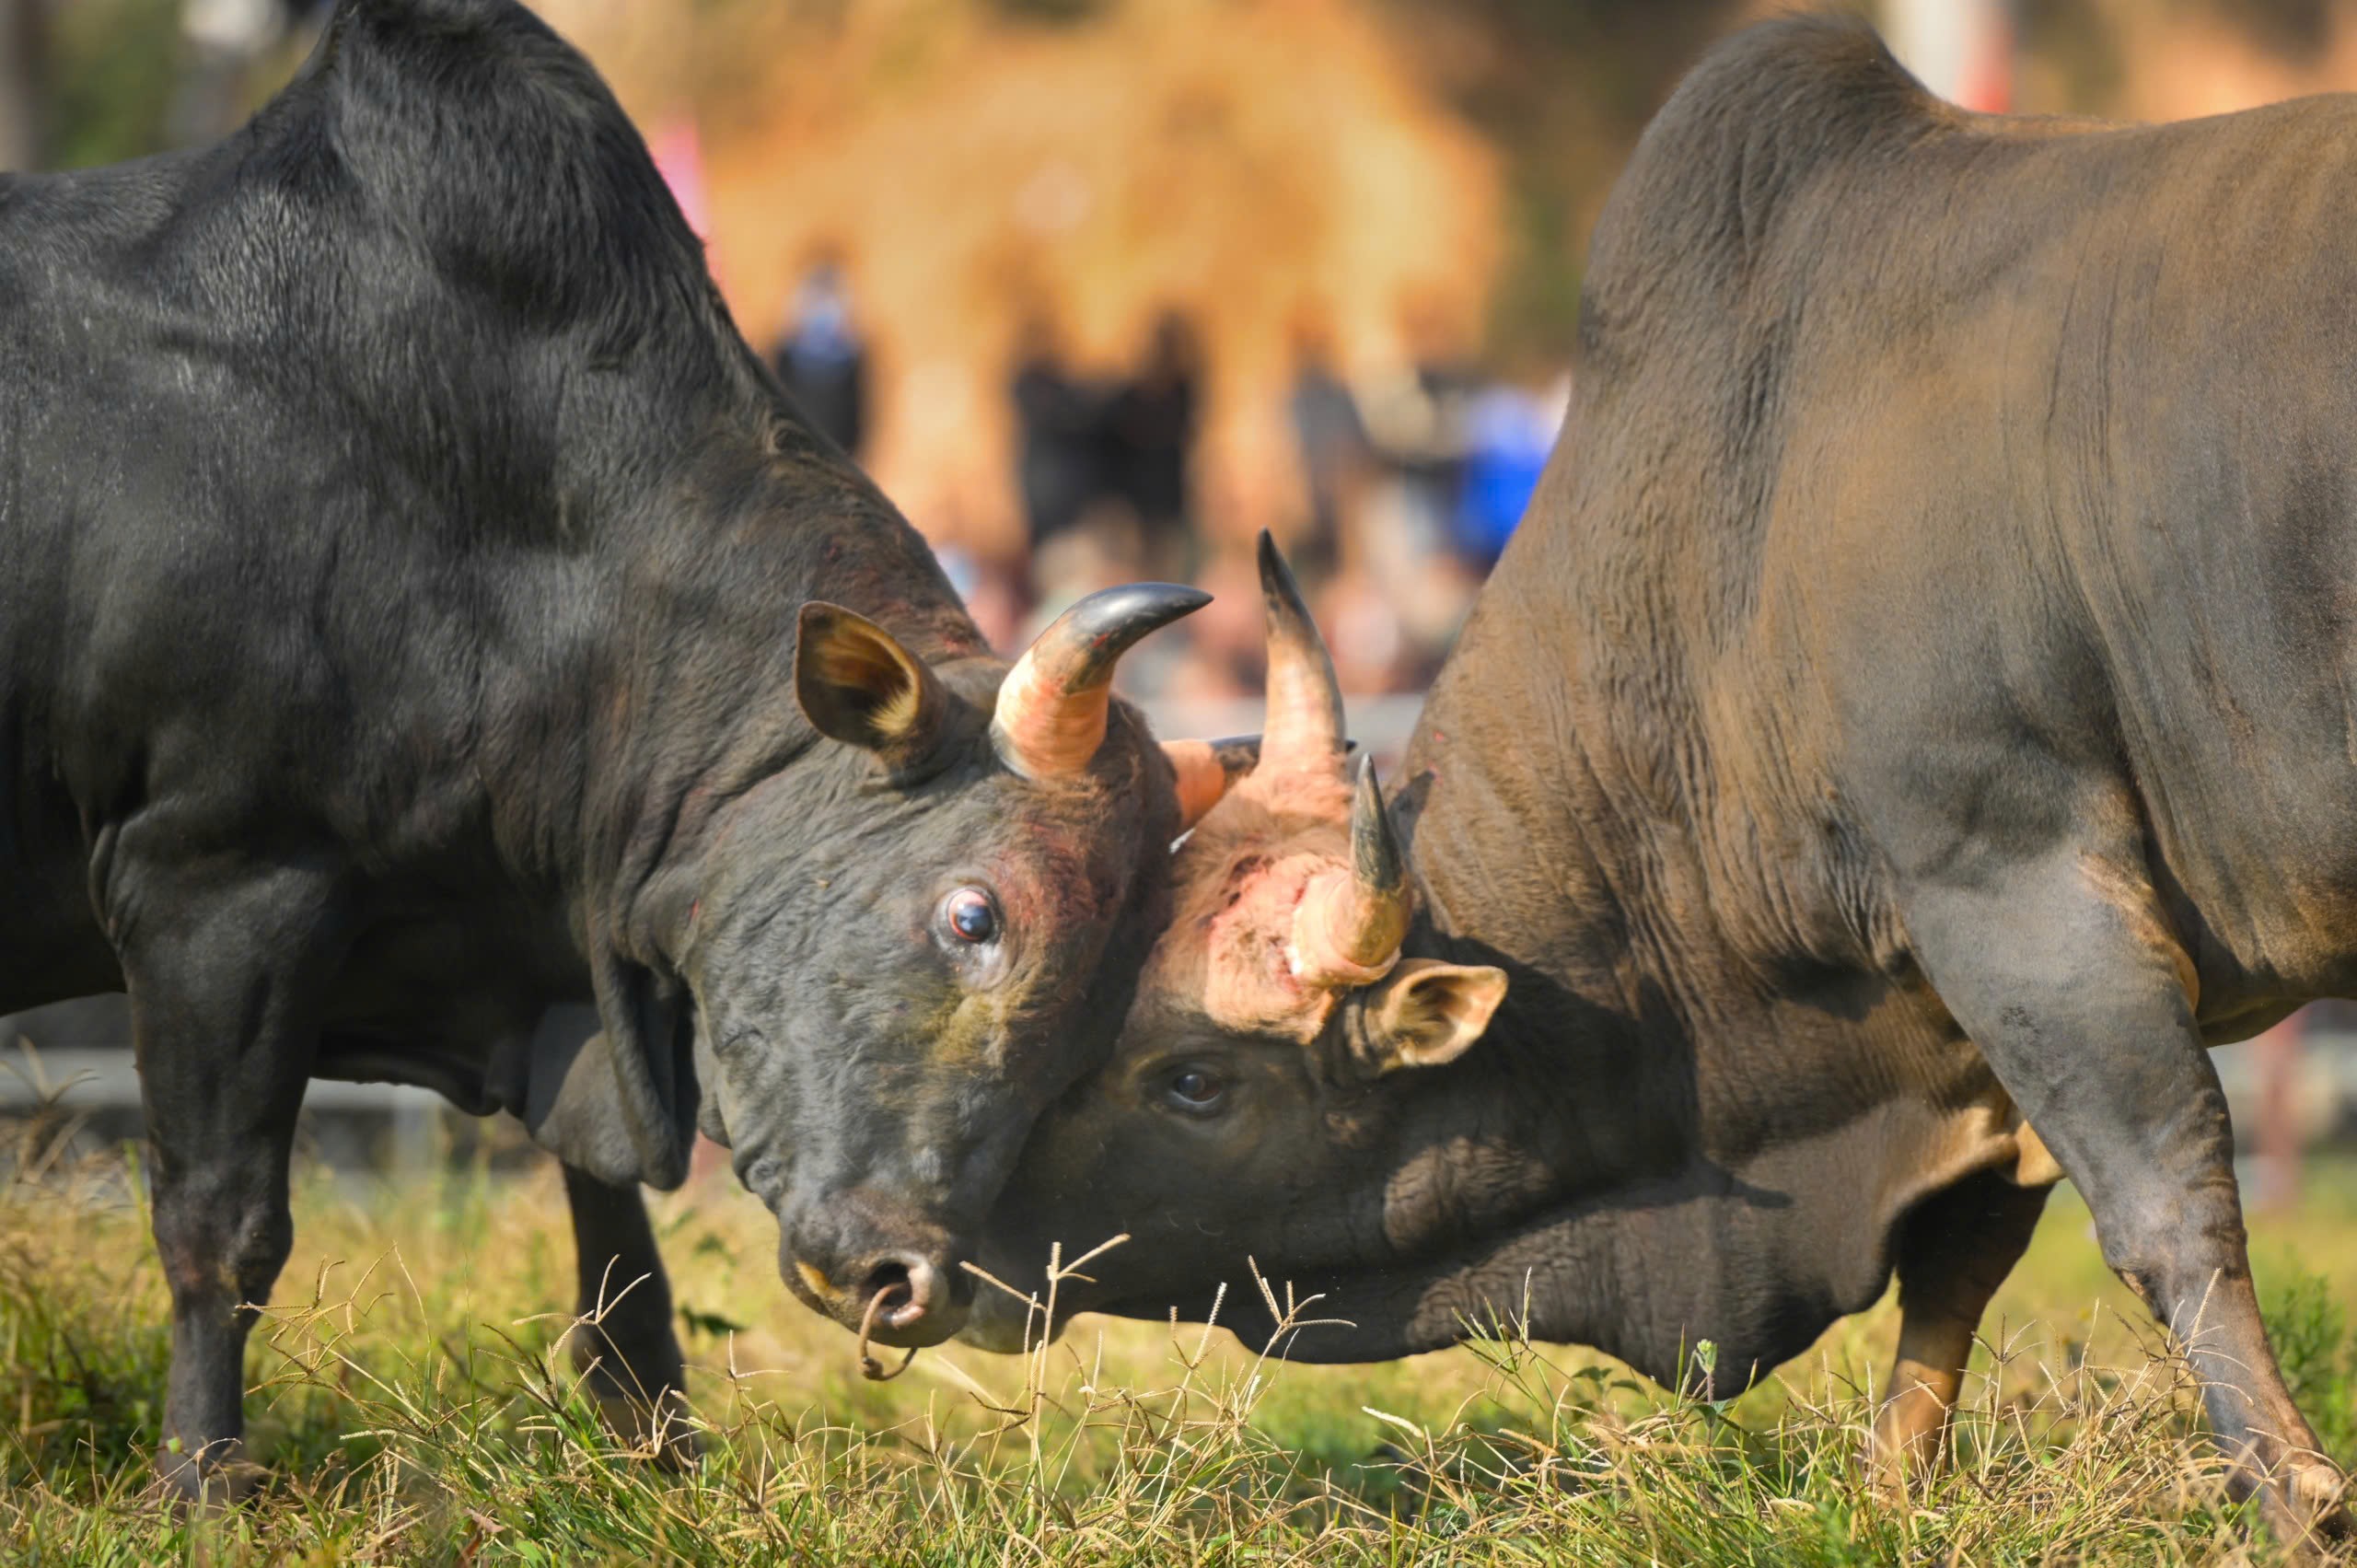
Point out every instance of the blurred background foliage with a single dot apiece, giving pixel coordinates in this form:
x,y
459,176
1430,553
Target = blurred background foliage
x,y
1237,196
1560,87
111,69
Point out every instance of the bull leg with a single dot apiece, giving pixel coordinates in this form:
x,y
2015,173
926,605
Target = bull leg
x,y
223,992
1955,1248
625,1344
2066,975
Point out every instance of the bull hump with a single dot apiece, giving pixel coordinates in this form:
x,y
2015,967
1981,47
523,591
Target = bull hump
x,y
1733,154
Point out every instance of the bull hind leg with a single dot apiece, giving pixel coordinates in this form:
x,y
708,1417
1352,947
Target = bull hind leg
x,y
1955,1248
224,987
2064,973
625,1344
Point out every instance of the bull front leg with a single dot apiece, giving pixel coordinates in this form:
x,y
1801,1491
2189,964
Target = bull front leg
x,y
1955,1248
2064,970
225,976
625,1344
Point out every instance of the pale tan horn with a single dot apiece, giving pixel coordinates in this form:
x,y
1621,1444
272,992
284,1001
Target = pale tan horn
x,y
1302,730
1350,921
1205,768
1051,714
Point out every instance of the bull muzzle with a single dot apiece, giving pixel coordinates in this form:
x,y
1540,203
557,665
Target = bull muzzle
x,y
893,1276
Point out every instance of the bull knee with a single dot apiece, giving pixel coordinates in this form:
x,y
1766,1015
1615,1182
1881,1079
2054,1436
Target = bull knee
x,y
2171,1239
229,1247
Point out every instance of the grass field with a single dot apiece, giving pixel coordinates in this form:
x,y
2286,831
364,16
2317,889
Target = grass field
x,y
415,1406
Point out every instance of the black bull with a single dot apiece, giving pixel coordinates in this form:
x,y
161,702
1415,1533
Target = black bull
x,y
1919,708
401,557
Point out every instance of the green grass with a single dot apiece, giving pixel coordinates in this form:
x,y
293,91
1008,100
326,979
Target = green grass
x,y
414,1404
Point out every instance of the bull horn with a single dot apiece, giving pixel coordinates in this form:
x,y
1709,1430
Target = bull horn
x,y
1206,769
1349,922
1051,714
1303,732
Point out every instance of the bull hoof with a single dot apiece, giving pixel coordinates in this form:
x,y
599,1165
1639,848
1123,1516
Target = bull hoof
x,y
2306,1510
193,1484
1906,1445
640,1398
664,1436
1892,1479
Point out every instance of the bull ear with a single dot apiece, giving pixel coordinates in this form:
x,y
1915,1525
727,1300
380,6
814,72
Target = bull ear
x,y
856,684
1427,1013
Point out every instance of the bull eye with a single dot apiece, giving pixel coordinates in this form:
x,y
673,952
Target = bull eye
x,y
972,916
1196,1090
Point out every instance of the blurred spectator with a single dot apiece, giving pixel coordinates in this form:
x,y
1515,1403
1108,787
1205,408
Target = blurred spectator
x,y
1508,432
992,595
1117,457
1416,418
1060,461
996,603
225,39
1332,442
1363,632
820,358
1411,488
1153,433
1099,550
1225,644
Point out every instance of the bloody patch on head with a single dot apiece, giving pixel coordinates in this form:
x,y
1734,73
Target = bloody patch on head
x,y
1237,879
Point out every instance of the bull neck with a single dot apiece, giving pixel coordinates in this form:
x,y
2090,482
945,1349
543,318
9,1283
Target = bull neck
x,y
684,697
1588,1082
1525,860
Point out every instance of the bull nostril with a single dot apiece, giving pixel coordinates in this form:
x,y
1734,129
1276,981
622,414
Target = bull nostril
x,y
891,1274
898,1292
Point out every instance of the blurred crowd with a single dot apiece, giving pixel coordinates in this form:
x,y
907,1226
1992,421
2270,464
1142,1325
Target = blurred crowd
x,y
1410,482
1406,472
1392,475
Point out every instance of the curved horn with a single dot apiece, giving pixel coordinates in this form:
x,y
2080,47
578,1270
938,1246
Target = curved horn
x,y
1349,926
1303,732
1206,769
1051,714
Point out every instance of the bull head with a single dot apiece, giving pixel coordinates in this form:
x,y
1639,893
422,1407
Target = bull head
x,y
1345,932
891,958
1265,1087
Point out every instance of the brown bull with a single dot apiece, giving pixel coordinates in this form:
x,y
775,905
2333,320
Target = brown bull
x,y
1917,708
